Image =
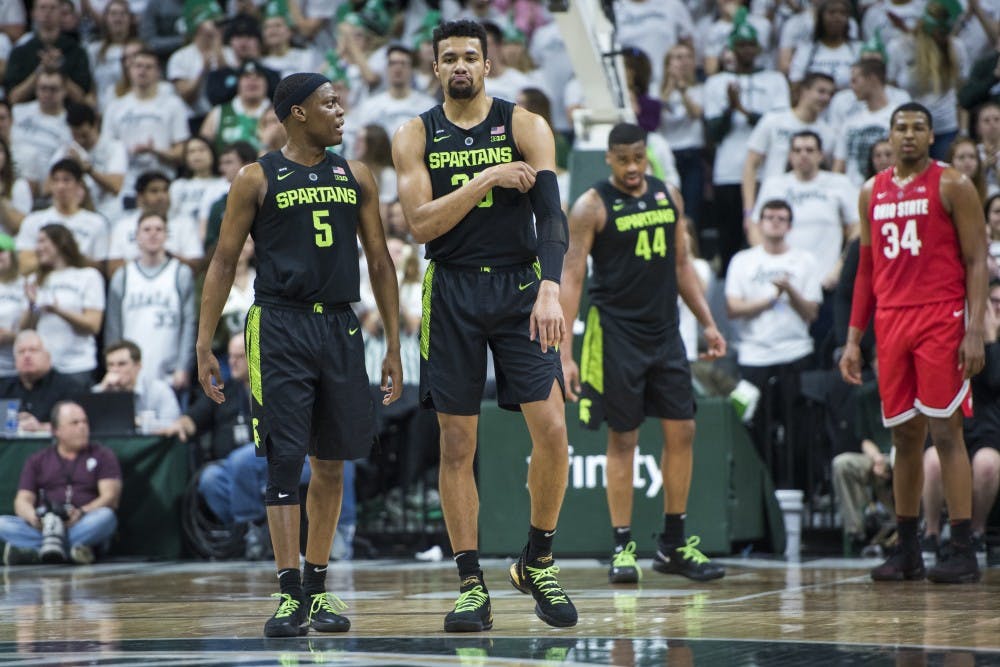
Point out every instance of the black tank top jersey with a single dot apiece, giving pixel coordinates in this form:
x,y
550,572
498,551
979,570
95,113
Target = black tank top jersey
x,y
634,259
306,231
498,231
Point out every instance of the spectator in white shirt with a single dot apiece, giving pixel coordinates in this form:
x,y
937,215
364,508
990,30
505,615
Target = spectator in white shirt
x,y
831,49
117,29
502,80
39,128
188,67
867,125
103,160
65,304
13,303
774,292
69,193
734,103
153,127
399,102
768,145
153,196
194,192
681,125
278,52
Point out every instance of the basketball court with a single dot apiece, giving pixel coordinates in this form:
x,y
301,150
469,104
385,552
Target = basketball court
x,y
764,612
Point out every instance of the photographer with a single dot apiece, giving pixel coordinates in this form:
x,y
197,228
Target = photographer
x,y
66,497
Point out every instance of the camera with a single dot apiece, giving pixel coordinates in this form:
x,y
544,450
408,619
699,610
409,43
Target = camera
x,y
47,507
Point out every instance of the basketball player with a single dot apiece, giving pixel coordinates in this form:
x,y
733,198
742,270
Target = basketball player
x,y
923,262
471,171
634,362
309,390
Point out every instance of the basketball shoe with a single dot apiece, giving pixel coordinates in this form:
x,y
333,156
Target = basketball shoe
x,y
323,616
538,578
687,561
472,612
289,620
624,569
955,565
907,564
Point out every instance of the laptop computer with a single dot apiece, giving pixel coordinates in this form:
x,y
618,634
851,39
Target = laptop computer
x,y
110,413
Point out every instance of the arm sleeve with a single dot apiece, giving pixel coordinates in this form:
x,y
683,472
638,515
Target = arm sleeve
x,y
550,223
863,303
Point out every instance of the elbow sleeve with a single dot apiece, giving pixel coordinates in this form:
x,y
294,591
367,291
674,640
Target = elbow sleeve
x,y
550,224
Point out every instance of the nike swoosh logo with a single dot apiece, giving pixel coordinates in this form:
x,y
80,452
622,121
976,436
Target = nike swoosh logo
x,y
958,313
617,207
525,286
549,534
353,331
321,569
282,177
282,495
437,139
880,195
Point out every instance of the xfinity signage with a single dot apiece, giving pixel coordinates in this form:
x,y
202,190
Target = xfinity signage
x,y
589,471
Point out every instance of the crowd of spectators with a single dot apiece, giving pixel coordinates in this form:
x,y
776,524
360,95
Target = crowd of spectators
x,y
122,123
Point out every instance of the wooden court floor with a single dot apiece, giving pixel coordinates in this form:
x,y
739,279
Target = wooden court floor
x,y
766,613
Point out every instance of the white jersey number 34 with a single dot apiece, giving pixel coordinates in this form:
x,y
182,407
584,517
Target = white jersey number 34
x,y
894,242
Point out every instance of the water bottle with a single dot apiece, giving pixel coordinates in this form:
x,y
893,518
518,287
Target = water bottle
x,y
11,421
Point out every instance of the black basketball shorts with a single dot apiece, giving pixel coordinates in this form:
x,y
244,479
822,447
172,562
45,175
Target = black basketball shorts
x,y
464,311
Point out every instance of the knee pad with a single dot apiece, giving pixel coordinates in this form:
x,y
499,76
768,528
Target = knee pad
x,y
283,480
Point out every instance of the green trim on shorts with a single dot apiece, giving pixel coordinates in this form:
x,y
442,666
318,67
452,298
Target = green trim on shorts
x,y
425,316
592,354
253,353
537,266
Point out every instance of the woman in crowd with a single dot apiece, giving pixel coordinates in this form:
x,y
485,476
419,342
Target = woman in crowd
x,y
831,50
930,64
373,149
66,303
13,303
681,125
964,156
199,184
15,193
117,29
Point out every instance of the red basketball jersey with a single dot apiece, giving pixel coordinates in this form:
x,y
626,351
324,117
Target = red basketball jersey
x,y
916,257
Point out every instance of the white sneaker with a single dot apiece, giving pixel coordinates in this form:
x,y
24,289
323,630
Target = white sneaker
x,y
81,554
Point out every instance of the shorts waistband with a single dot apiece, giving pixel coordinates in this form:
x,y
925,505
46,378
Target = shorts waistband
x,y
505,268
301,306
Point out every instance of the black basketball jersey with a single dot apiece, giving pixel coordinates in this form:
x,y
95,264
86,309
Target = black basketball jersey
x,y
306,231
634,259
499,230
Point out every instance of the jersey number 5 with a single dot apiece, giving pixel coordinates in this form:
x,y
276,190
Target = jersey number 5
x,y
659,247
324,230
894,243
458,180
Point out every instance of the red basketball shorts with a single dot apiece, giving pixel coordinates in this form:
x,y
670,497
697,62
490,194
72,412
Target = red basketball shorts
x,y
917,350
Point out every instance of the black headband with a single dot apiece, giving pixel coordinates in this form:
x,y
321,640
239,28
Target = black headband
x,y
306,88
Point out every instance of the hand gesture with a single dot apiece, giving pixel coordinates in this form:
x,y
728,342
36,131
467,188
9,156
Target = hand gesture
x,y
971,354
31,292
716,345
547,325
392,377
850,364
518,176
571,378
210,376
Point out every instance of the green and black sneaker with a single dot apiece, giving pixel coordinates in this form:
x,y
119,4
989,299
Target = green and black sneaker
x,y
538,577
687,561
323,616
472,612
624,569
289,620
